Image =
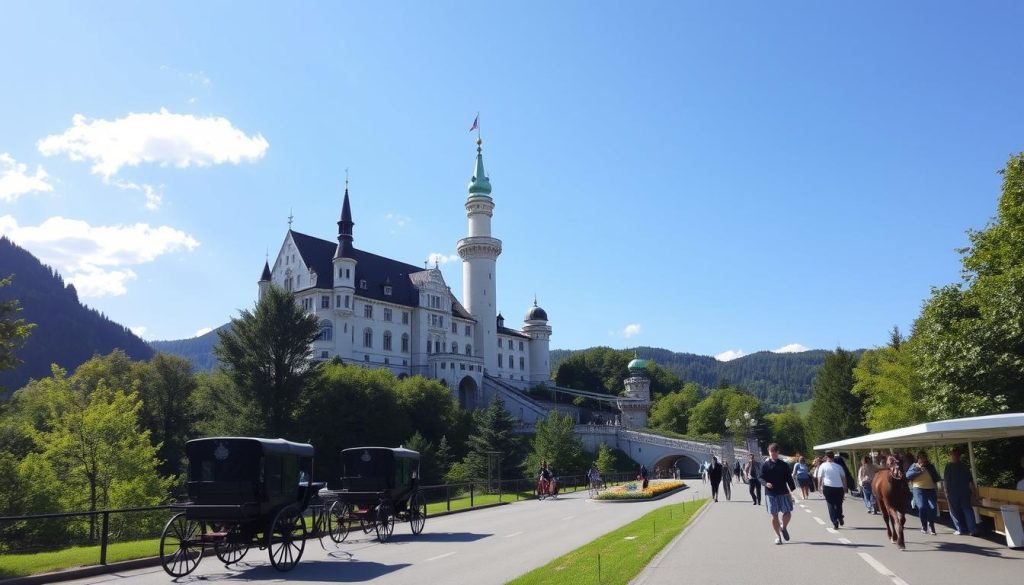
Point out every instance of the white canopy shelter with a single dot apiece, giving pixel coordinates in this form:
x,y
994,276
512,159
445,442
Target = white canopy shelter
x,y
943,432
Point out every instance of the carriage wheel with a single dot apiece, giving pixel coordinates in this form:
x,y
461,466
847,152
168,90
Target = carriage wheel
x,y
230,553
338,518
385,524
417,513
286,538
181,545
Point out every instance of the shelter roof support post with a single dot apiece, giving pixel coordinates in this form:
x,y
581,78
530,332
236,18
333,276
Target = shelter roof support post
x,y
974,469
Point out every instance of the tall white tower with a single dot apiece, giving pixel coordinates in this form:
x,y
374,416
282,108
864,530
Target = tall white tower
x,y
536,326
344,267
479,253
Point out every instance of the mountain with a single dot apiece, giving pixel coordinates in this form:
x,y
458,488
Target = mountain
x,y
198,350
67,332
776,379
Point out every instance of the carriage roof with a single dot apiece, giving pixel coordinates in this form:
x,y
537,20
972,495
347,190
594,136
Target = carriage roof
x,y
397,452
267,446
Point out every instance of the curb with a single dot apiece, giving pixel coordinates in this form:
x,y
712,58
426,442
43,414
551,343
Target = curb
x,y
644,574
83,572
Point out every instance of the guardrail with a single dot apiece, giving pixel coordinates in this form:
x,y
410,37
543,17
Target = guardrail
x,y
102,528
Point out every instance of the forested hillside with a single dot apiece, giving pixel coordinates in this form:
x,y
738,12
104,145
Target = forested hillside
x,y
198,350
774,378
67,333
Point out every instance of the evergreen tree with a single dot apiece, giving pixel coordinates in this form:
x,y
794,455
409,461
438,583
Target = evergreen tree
x,y
266,353
836,410
494,437
13,331
443,456
429,473
556,443
168,408
605,459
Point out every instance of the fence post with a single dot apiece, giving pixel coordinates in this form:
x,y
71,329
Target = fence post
x,y
448,497
471,485
103,537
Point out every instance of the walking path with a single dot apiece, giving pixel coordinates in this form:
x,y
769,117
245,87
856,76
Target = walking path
x,y
732,543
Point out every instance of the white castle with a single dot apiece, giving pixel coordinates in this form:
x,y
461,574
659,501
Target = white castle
x,y
382,313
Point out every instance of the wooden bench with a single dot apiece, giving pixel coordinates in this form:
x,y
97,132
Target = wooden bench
x,y
990,500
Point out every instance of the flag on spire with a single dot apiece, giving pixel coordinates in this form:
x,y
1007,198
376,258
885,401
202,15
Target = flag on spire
x,y
476,123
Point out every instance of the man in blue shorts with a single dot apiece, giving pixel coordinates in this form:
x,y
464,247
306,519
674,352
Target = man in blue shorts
x,y
777,480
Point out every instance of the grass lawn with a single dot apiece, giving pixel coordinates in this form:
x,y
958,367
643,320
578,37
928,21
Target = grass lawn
x,y
620,554
19,565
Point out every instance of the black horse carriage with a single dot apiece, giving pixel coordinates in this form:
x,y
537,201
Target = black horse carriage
x,y
379,485
243,492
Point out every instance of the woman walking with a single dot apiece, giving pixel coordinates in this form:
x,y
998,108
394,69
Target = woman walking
x,y
802,476
865,474
715,475
923,479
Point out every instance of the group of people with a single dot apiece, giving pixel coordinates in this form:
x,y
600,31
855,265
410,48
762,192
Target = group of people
x,y
833,479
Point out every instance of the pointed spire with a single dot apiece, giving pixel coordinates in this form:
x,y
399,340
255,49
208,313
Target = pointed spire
x,y
480,184
344,249
266,271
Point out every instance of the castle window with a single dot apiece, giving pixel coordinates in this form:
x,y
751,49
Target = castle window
x,y
387,341
362,283
520,346
405,317
387,361
405,343
337,302
437,346
455,347
522,363
326,330
366,357
323,355
462,366
440,321
442,365
341,272
367,337
501,360
510,344
511,363
468,330
368,311
325,302
387,314
469,349
348,273
387,290
455,327
346,301
499,344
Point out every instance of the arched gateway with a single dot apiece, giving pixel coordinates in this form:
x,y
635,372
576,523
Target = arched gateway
x,y
467,393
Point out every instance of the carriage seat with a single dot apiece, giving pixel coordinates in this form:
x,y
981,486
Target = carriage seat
x,y
990,501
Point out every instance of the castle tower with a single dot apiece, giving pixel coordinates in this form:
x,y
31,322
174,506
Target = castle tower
x,y
479,253
535,324
264,282
344,267
636,402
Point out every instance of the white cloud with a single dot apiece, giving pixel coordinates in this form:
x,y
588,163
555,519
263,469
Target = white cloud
x,y
154,196
730,354
631,330
203,331
139,330
96,259
162,138
398,220
791,348
439,258
15,180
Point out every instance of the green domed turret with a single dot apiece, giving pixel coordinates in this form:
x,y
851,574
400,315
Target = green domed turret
x,y
638,365
479,185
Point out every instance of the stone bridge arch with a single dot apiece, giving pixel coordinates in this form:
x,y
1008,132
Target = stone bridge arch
x,y
688,466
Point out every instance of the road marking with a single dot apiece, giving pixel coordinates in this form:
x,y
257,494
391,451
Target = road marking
x,y
832,530
845,541
514,534
441,556
568,518
808,510
882,569
819,520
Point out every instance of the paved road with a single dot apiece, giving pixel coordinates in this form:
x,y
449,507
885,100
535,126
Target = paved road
x,y
480,547
732,543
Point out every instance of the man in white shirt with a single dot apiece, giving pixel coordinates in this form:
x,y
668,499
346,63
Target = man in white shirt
x,y
832,483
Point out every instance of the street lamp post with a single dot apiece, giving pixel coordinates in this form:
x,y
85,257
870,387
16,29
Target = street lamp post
x,y
742,426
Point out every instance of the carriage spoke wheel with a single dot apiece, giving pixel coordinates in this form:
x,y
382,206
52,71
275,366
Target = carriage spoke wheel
x,y
286,538
385,523
181,545
417,513
229,552
338,518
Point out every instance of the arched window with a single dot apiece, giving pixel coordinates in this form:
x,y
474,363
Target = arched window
x,y
469,349
455,347
326,330
387,341
367,337
405,343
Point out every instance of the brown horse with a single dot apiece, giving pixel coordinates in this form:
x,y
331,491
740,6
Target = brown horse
x,y
891,493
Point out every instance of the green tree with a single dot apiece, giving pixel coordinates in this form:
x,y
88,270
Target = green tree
x,y
605,459
787,429
890,386
429,471
266,353
556,443
220,409
836,410
710,414
494,436
13,331
168,408
444,456
671,412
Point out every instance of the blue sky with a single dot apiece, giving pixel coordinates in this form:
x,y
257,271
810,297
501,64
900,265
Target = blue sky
x,y
709,178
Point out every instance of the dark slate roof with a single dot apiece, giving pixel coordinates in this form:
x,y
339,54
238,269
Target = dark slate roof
x,y
265,277
378,271
512,332
458,310
536,313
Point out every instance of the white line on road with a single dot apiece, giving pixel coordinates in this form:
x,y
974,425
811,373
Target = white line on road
x,y
568,518
845,541
819,520
448,554
808,510
832,530
514,534
882,569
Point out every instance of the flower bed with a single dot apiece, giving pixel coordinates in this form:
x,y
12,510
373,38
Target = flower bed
x,y
632,491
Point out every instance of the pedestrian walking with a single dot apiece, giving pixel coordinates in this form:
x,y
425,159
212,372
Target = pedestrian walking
x,y
727,480
960,490
643,476
832,483
777,480
865,474
737,473
802,477
752,470
715,476
923,480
